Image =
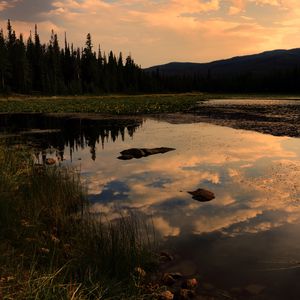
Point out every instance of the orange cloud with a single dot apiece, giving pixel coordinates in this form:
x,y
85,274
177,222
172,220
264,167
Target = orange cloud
x,y
174,30
6,4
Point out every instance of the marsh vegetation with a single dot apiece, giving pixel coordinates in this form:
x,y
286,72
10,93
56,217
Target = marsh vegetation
x,y
55,245
52,247
139,104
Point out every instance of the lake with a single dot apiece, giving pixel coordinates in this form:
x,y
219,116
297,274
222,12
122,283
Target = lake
x,y
247,236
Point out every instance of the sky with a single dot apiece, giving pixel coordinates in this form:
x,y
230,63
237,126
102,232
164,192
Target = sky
x,y
161,31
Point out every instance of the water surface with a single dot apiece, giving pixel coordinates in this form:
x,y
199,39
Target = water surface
x,y
249,234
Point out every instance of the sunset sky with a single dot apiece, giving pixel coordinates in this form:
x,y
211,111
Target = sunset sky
x,y
160,31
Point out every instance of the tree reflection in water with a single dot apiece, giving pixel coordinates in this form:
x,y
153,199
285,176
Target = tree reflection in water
x,y
54,132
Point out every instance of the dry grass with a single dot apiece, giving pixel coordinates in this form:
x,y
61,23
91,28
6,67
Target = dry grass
x,y
52,248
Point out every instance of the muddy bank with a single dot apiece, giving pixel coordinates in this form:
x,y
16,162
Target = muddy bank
x,y
276,117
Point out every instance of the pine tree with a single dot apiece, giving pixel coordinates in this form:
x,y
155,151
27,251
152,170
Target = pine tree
x,y
120,73
54,73
101,79
112,72
30,58
89,67
48,69
3,63
20,67
38,69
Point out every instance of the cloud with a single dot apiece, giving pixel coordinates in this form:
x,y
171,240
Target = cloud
x,y
26,10
223,220
162,31
268,2
164,227
256,188
4,5
237,6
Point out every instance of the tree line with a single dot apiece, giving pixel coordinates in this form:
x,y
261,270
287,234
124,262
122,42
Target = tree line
x,y
30,67
286,80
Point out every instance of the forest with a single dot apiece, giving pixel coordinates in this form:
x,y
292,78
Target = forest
x,y
30,67
35,68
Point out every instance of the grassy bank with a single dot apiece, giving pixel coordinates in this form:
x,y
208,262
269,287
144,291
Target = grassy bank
x,y
119,104
52,248
140,104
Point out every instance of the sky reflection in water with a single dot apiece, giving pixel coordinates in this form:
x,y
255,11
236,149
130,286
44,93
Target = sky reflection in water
x,y
247,235
254,178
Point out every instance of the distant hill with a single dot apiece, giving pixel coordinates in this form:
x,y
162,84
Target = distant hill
x,y
259,64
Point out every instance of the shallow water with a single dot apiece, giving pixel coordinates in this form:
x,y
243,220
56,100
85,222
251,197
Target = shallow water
x,y
249,234
255,101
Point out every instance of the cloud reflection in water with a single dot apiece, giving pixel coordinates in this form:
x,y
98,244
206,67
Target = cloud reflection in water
x,y
254,178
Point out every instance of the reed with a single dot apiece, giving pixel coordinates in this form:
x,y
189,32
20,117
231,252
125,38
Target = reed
x,y
53,247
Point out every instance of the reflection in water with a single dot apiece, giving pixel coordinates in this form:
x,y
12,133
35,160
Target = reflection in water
x,y
75,132
247,181
234,240
248,234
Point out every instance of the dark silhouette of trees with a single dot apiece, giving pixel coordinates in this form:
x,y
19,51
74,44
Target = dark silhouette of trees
x,y
35,68
4,68
89,68
47,69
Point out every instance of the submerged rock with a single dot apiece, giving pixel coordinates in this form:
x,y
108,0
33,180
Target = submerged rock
x,y
142,152
202,195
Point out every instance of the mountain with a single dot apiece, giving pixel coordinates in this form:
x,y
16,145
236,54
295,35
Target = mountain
x,y
256,64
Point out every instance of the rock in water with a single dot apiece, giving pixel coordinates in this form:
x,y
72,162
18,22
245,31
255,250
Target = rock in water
x,y
142,152
134,152
202,195
125,157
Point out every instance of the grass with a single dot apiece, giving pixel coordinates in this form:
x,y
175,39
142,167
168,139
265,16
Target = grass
x,y
118,104
139,104
53,248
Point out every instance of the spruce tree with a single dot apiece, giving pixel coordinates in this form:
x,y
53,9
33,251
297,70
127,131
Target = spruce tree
x,y
3,63
48,69
89,67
